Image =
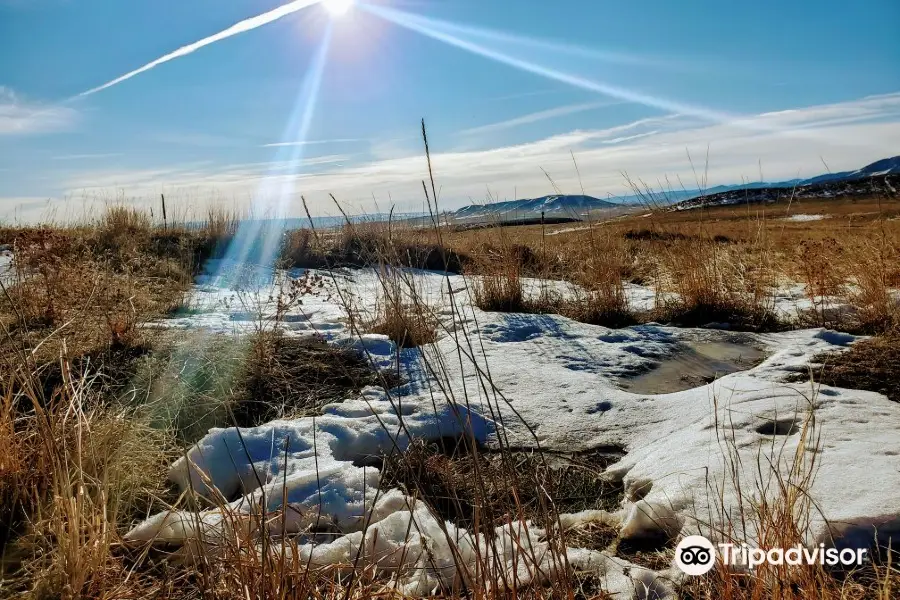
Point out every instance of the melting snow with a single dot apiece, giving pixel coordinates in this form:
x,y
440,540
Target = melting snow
x,y
7,271
804,218
552,381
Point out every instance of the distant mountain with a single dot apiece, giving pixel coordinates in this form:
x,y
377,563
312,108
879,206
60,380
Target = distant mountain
x,y
879,177
557,206
885,166
868,179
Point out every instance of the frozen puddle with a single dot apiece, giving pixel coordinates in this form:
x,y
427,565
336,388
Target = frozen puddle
x,y
699,363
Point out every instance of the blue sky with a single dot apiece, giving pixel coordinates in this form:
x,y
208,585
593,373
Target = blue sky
x,y
507,89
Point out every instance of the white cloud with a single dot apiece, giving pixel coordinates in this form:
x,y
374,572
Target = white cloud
x,y
535,117
788,144
22,117
27,209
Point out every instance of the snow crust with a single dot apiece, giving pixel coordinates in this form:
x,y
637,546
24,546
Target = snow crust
x,y
532,380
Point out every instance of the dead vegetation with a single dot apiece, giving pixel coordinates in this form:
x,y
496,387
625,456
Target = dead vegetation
x,y
780,518
95,407
871,364
478,487
369,244
722,265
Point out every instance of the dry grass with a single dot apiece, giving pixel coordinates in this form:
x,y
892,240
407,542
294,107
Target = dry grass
x,y
401,313
871,364
474,486
79,466
498,285
370,244
777,511
721,264
93,284
76,471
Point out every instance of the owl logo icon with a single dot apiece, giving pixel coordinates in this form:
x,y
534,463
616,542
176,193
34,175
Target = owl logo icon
x,y
695,555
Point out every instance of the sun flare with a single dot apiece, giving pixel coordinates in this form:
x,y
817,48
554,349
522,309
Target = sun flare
x,y
337,8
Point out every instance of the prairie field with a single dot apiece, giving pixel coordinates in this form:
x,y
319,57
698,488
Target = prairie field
x,y
400,300
399,411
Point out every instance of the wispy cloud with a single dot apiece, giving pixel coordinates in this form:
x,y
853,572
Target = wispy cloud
x,y
86,156
312,143
312,161
471,40
19,116
237,28
629,138
535,117
847,135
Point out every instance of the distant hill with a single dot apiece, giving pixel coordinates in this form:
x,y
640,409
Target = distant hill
x,y
880,177
557,206
885,166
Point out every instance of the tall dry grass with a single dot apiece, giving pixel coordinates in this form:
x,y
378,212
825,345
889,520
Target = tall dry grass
x,y
776,509
76,471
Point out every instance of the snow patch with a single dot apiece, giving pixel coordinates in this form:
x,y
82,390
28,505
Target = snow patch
x,y
7,268
803,218
551,380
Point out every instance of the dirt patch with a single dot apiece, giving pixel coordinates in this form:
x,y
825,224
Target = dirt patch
x,y
779,427
697,364
871,365
468,485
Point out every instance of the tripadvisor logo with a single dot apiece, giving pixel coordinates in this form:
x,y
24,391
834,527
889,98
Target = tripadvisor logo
x,y
696,555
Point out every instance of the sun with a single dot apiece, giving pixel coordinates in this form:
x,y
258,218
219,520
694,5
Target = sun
x,y
337,8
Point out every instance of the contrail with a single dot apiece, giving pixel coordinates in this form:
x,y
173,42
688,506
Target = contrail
x,y
461,37
447,33
241,27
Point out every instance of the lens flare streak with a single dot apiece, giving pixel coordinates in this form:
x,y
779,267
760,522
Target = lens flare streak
x,y
257,240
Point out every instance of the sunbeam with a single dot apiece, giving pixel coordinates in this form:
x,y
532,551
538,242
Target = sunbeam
x,y
255,239
241,27
450,33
